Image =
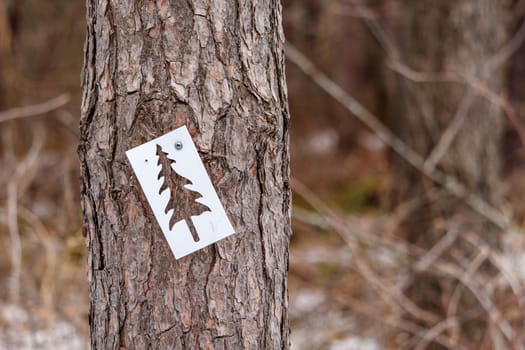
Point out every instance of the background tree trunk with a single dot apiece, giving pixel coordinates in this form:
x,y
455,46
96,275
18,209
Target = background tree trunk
x,y
217,67
450,36
6,36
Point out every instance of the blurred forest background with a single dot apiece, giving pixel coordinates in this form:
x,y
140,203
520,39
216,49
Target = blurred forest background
x,y
407,162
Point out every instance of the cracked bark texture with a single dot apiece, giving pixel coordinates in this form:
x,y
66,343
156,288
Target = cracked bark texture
x,y
217,67
450,36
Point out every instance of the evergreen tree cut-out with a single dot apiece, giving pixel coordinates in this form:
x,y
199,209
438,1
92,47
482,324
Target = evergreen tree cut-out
x,y
182,200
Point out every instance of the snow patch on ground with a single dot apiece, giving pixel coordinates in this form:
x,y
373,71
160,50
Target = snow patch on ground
x,y
355,343
23,330
306,301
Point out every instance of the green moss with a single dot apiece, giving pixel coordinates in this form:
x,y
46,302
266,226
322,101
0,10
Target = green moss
x,y
327,270
359,196
77,252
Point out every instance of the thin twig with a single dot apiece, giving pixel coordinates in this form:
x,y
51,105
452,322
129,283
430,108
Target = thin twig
x,y
434,332
507,51
512,278
390,295
475,87
450,133
460,116
446,268
16,246
368,311
439,266
48,281
442,326
399,146
12,213
34,110
399,324
501,102
370,19
484,299
455,297
433,254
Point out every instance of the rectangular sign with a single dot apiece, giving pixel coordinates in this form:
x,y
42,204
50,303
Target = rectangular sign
x,y
180,192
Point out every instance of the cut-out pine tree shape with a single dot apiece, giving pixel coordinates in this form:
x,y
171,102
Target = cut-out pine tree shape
x,y
183,200
183,181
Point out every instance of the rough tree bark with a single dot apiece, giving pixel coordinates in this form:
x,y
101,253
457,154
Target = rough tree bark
x,y
217,67
450,36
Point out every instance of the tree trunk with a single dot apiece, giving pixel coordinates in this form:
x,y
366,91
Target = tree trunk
x,y
450,36
216,67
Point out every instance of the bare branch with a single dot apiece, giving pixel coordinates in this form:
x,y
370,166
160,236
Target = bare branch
x,y
448,136
399,324
506,51
461,114
370,19
475,87
438,266
511,276
12,214
34,110
352,105
391,296
450,132
433,254
435,331
16,245
484,299
406,152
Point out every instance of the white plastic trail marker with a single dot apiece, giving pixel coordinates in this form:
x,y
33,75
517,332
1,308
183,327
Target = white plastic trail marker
x,y
174,180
